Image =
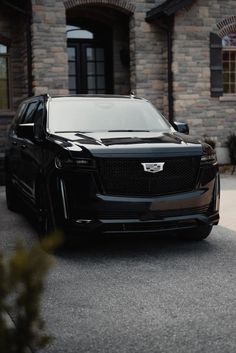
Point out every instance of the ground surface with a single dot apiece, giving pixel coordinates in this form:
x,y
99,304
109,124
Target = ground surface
x,y
141,295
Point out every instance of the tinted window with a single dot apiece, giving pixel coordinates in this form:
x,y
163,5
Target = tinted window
x,y
83,114
29,115
19,114
39,112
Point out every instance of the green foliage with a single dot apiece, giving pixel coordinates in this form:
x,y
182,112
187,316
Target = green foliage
x,y
231,144
21,286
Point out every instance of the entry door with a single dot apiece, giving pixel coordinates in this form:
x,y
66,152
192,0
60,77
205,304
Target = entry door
x,y
89,69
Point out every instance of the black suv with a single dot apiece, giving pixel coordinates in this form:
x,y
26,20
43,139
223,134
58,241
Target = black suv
x,y
109,164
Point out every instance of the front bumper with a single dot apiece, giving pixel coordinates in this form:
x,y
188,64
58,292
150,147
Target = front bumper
x,y
125,215
129,226
84,206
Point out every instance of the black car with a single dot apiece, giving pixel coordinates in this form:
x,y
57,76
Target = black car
x,y
109,164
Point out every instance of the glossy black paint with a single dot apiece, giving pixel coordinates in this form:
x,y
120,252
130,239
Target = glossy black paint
x,y
75,196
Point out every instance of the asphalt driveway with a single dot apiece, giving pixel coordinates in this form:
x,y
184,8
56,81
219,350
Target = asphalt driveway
x,y
141,294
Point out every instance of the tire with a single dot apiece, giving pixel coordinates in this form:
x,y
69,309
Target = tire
x,y
198,234
11,195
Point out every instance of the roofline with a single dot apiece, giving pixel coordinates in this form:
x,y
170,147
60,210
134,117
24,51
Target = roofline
x,y
166,9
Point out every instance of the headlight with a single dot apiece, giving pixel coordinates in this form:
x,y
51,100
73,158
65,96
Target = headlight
x,y
209,154
61,163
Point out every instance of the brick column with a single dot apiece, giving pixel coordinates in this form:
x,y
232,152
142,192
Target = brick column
x,y
49,48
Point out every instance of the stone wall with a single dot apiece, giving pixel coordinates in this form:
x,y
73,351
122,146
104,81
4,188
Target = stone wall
x,y
13,28
49,49
147,50
121,70
147,44
212,117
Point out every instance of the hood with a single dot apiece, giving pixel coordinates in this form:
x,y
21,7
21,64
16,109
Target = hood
x,y
130,143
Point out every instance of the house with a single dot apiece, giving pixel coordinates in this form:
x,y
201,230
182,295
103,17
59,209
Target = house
x,y
180,54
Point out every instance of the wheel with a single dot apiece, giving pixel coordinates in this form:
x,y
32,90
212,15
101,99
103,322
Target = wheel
x,y
45,221
11,194
200,233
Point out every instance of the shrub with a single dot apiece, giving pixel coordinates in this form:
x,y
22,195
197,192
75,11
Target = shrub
x,y
21,286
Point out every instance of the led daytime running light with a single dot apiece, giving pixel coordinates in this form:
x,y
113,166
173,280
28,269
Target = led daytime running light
x,y
83,162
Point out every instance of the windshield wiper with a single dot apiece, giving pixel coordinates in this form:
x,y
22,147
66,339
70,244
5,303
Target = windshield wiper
x,y
128,131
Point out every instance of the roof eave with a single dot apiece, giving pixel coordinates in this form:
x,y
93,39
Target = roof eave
x,y
168,8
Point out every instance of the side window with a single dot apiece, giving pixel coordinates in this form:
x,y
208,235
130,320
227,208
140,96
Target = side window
x,y
229,63
28,117
216,65
39,112
39,128
18,117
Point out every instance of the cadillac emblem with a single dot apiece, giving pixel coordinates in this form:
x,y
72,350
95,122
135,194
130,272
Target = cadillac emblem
x,y
153,167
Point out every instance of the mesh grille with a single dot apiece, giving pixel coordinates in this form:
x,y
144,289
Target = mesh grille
x,y
127,176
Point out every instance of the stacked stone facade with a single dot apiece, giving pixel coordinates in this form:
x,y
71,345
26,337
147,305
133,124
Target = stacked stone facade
x,y
145,44
49,49
147,48
207,116
13,29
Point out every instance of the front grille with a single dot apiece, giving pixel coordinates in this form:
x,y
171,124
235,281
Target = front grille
x,y
126,177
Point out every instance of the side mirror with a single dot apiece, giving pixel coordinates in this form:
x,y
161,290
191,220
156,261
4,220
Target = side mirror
x,y
181,127
26,131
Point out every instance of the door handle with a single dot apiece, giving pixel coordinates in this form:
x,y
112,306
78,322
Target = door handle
x,y
23,147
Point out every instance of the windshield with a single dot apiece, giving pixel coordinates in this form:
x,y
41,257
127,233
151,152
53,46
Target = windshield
x,y
108,114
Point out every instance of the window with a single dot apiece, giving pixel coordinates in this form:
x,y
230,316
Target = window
x,y
4,78
229,63
29,115
74,32
89,59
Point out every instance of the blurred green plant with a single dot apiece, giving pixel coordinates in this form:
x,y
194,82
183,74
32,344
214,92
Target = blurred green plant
x,y
22,277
